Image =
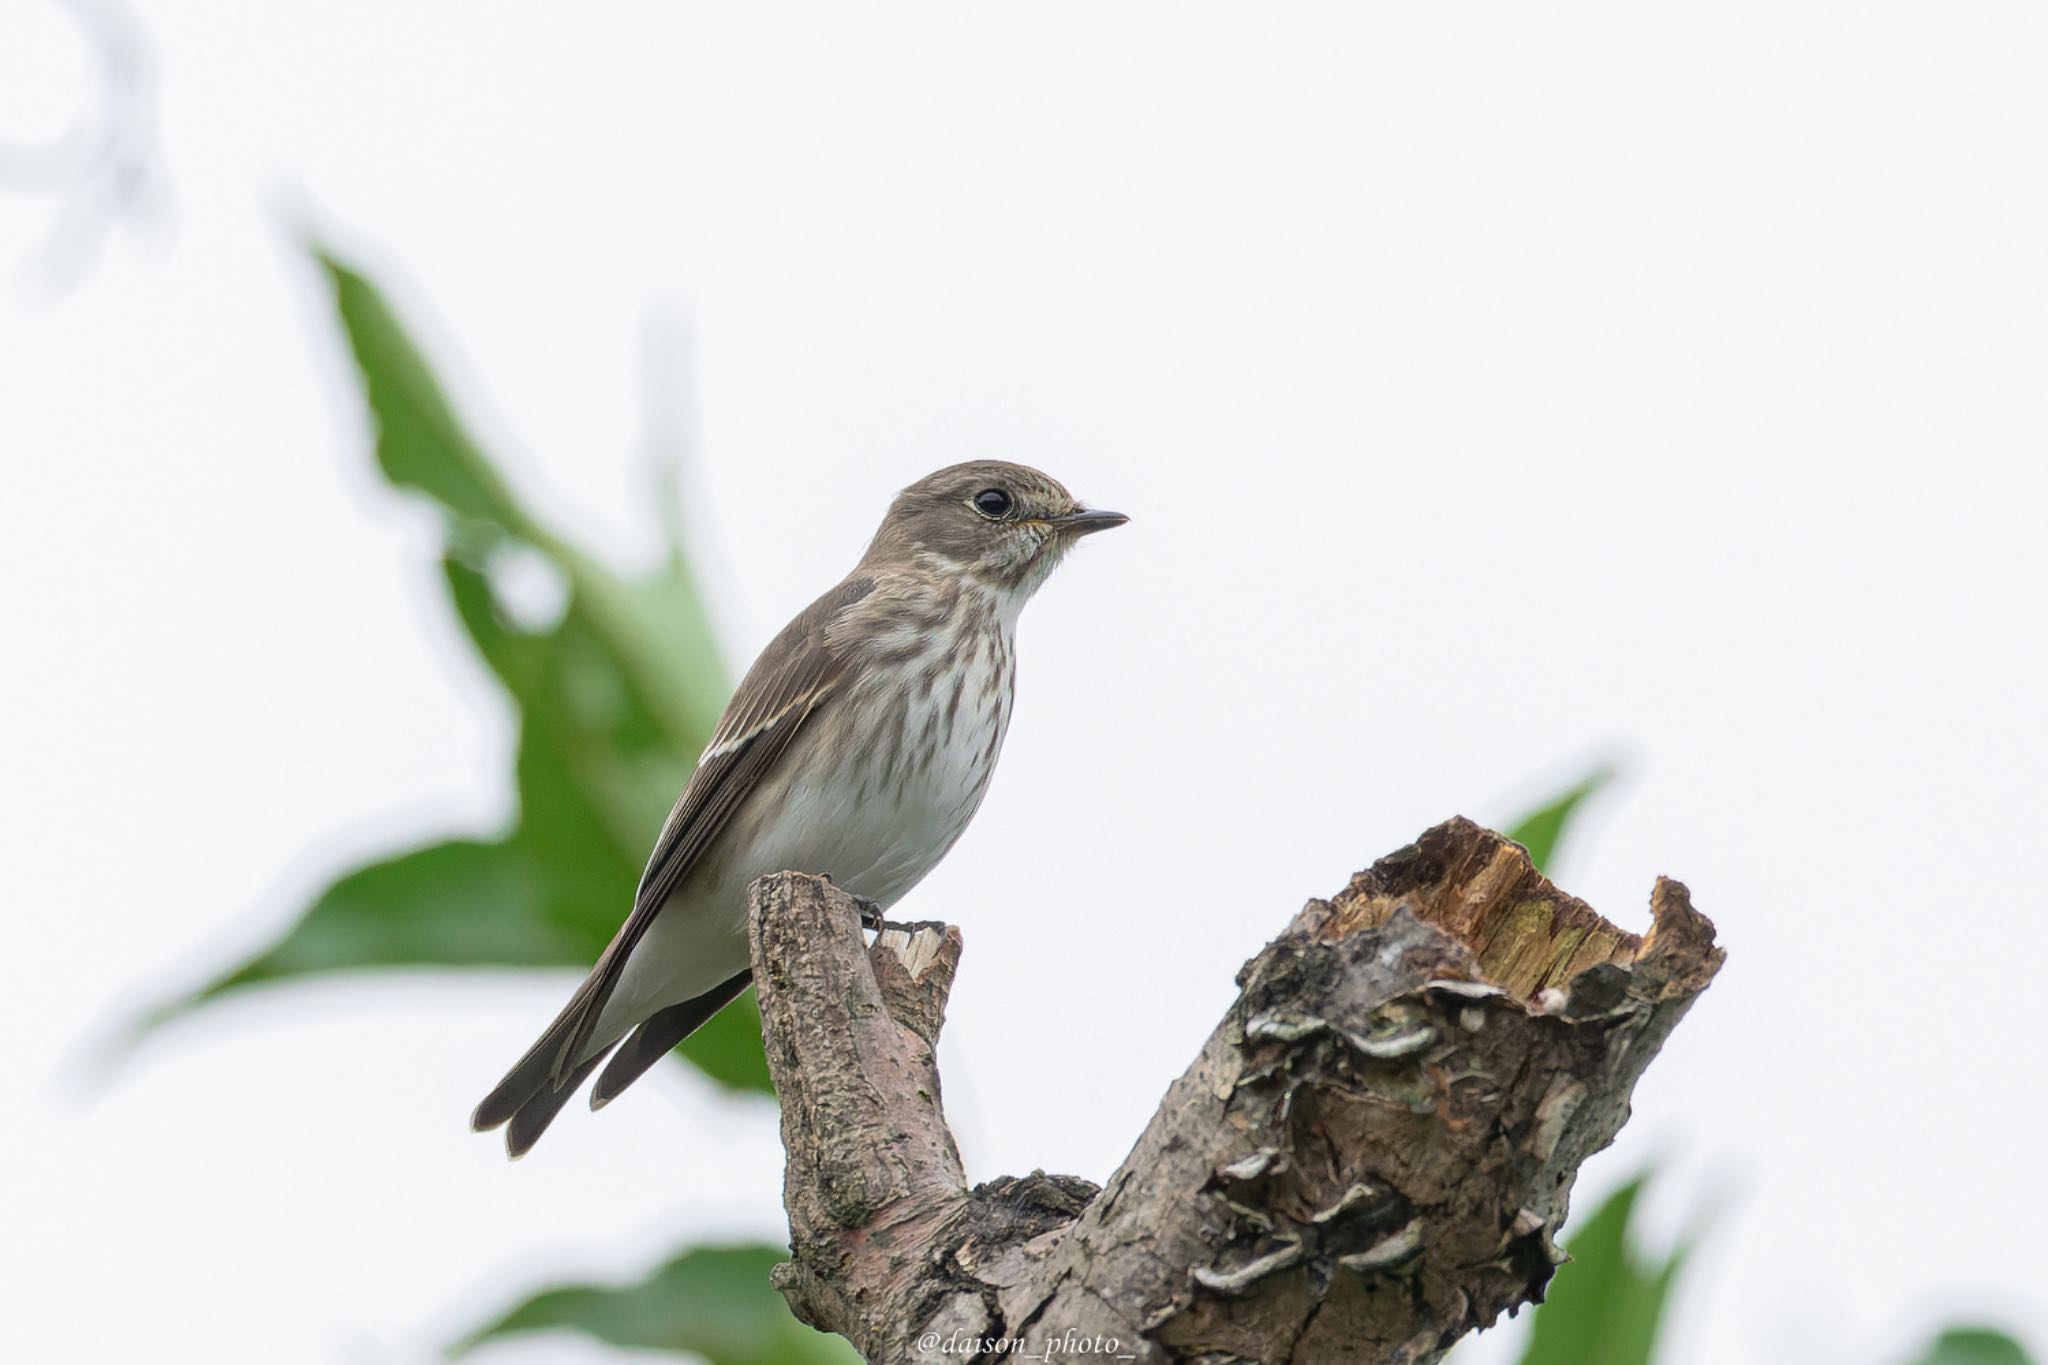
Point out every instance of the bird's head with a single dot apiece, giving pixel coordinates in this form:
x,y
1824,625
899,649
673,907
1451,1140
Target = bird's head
x,y
1005,525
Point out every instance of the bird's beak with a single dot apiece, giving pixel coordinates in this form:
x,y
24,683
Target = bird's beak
x,y
1087,521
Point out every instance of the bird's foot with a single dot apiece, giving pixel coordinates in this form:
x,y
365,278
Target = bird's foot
x,y
870,909
871,917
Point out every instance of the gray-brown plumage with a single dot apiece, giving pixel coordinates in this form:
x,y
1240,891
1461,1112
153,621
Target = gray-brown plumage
x,y
858,746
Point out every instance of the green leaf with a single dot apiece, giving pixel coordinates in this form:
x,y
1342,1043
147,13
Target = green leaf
x,y
1541,829
422,906
1974,1346
715,1301
1604,1306
597,765
614,695
665,610
420,442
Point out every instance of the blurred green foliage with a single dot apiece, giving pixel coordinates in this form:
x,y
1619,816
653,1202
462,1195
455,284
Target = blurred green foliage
x,y
715,1301
614,696
1605,1304
1973,1346
1542,829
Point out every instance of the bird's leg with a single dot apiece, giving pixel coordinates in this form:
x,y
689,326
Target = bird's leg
x,y
871,915
870,908
871,912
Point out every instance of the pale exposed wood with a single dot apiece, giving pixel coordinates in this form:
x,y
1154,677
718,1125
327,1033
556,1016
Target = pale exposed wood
x,y
1368,1158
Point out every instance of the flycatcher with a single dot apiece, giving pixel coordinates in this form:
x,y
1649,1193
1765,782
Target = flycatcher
x,y
858,746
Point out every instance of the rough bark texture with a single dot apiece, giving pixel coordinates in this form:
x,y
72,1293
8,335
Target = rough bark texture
x,y
1367,1160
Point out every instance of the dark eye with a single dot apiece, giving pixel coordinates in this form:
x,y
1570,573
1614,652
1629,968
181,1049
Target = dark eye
x,y
992,503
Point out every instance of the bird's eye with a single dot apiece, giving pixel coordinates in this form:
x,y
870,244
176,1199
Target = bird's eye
x,y
992,503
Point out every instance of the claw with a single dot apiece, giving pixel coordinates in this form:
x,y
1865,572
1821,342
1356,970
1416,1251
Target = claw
x,y
870,908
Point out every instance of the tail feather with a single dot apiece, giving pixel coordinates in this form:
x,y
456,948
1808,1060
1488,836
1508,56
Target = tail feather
x,y
528,1077
650,1042
534,1116
546,1066
541,1082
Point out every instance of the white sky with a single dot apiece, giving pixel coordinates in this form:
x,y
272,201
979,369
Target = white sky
x,y
1494,390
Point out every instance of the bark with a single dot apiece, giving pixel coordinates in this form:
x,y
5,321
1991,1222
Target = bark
x,y
1369,1158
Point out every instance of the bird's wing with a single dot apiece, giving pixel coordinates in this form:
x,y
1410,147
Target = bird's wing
x,y
796,675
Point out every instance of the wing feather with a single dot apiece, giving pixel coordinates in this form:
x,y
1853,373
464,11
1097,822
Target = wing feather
x,y
795,676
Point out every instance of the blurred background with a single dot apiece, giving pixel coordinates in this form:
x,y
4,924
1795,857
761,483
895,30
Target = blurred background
x,y
1499,395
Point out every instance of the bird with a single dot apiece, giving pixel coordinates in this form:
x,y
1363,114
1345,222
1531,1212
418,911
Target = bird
x,y
857,747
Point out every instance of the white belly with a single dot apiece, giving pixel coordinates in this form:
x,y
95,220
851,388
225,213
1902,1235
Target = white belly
x,y
883,820
868,817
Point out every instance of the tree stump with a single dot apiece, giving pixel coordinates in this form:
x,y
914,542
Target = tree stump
x,y
1369,1157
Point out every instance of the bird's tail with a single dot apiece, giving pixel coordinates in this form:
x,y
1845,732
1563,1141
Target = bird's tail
x,y
662,1030
543,1078
540,1082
